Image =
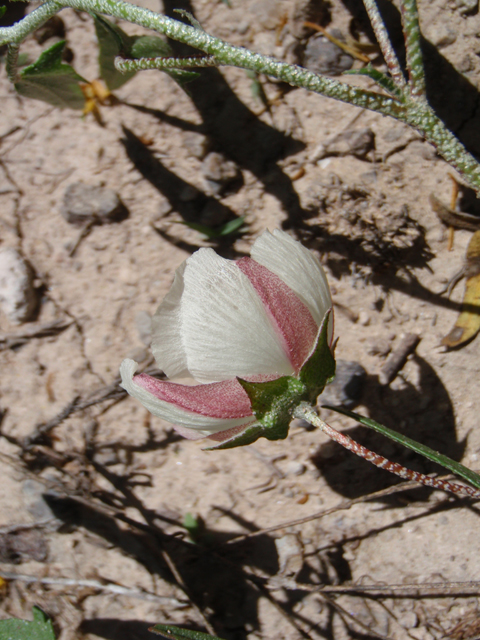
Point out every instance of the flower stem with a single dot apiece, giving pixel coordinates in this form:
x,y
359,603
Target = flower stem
x,y
306,412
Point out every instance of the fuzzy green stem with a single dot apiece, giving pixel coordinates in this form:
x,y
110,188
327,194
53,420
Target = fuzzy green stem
x,y
142,64
413,49
413,109
384,43
12,62
306,412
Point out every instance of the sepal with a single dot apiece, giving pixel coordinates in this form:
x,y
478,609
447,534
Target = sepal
x,y
319,368
273,403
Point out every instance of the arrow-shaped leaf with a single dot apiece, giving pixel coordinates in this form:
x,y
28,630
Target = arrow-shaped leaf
x,y
50,80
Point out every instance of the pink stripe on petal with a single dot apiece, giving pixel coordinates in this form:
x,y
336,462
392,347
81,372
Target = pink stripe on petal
x,y
290,316
225,399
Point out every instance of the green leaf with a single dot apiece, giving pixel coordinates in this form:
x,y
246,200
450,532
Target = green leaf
x,y
2,11
40,628
223,230
319,369
112,41
169,631
50,80
422,449
192,525
149,47
377,76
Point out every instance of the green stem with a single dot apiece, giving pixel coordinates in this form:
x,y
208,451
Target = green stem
x,y
141,64
431,454
384,42
413,49
413,109
12,62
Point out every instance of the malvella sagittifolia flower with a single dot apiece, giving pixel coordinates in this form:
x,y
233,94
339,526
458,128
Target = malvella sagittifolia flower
x,y
248,330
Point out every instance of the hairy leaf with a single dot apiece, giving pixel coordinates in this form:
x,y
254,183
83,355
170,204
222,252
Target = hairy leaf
x,y
39,629
50,80
112,42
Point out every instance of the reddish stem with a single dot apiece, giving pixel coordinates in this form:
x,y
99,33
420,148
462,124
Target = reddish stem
x,y
384,463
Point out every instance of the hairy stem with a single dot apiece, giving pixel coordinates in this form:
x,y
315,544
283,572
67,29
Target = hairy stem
x,y
384,42
141,64
11,62
306,412
413,49
411,109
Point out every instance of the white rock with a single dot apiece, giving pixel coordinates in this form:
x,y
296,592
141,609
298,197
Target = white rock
x,y
17,295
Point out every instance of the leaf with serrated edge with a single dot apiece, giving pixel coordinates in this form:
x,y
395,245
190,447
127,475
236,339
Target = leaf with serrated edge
x,y
40,628
50,80
169,631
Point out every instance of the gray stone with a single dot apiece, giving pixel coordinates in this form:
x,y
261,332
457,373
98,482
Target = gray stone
x,y
322,56
34,501
18,298
85,204
346,389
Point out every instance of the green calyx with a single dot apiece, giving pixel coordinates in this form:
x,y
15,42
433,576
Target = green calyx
x,y
274,401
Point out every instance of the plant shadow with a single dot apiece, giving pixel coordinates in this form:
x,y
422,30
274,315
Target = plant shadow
x,y
423,412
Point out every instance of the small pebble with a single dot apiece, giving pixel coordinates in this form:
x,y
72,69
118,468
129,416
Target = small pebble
x,y
219,172
18,298
364,318
197,144
347,387
33,499
322,56
442,36
378,346
353,142
189,193
295,468
290,554
83,204
408,620
467,6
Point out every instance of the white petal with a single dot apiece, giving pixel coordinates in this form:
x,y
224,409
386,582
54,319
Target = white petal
x,y
203,425
297,267
221,328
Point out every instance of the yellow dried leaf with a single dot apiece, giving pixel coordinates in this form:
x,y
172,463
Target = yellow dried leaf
x,y
468,323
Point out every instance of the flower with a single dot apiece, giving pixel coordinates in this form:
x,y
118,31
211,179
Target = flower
x,y
254,318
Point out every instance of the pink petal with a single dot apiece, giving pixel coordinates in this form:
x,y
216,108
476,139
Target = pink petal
x,y
291,318
225,399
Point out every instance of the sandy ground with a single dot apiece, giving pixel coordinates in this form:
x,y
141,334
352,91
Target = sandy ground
x,y
103,497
